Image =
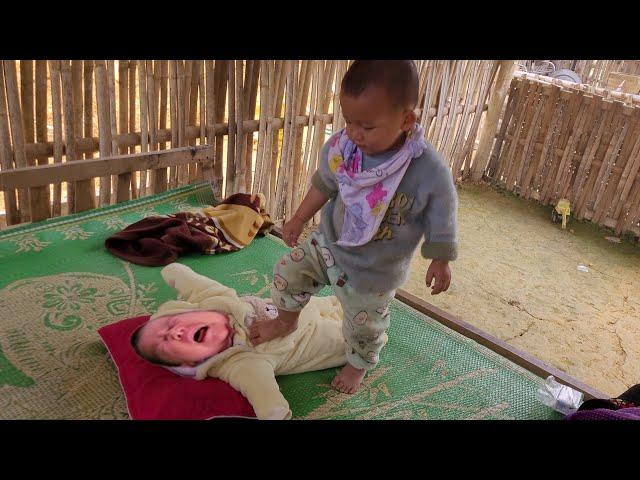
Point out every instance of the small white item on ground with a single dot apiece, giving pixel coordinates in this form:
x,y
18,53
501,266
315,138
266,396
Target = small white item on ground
x,y
561,398
612,239
582,268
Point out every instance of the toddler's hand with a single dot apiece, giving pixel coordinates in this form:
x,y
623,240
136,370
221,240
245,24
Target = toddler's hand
x,y
292,230
440,272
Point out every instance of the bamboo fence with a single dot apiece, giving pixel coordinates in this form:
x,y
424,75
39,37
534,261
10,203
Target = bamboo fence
x,y
563,140
593,72
106,131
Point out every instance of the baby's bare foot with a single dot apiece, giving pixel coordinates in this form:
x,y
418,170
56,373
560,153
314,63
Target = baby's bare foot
x,y
349,379
261,332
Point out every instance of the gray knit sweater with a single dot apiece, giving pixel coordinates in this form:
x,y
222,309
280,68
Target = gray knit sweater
x,y
425,204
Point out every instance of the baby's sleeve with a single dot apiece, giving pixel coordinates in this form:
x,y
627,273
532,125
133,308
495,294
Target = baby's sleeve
x,y
324,179
441,217
255,379
189,283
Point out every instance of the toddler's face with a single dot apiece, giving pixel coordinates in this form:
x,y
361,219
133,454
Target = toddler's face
x,y
186,338
373,123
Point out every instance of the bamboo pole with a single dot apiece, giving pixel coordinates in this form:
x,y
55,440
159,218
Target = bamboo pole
x,y
40,201
231,143
27,104
173,90
567,156
250,109
27,109
133,64
123,190
630,172
283,202
611,155
82,191
485,83
514,93
604,135
17,132
589,151
531,130
210,113
220,89
56,107
164,79
144,121
193,78
469,90
104,125
610,201
111,84
300,108
496,101
158,176
6,155
277,109
316,78
549,121
88,115
239,141
182,84
262,126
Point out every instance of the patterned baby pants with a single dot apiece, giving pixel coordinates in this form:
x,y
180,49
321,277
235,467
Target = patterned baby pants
x,y
306,270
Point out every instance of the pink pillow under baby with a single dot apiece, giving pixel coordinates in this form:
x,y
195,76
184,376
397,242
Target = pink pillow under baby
x,y
154,393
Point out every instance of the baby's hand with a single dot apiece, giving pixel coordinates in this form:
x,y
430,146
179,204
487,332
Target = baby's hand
x,y
438,270
292,230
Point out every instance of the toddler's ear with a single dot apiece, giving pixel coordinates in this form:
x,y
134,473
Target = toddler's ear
x,y
410,118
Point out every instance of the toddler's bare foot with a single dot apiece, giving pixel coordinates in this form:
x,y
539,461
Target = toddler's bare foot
x,y
349,379
282,326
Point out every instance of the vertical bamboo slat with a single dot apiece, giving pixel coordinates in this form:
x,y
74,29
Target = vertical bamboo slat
x,y
6,155
123,188
82,191
56,107
40,201
144,119
104,125
230,183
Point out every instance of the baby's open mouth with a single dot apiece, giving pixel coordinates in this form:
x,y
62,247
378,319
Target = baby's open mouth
x,y
200,333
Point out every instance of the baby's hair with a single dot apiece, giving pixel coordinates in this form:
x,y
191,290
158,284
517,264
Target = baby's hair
x,y
398,77
148,358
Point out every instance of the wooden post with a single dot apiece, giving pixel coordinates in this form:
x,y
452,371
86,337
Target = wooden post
x,y
6,155
123,188
496,101
56,106
111,84
17,131
83,199
132,120
104,126
40,208
231,142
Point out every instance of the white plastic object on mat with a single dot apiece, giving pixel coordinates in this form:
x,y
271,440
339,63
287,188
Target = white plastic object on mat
x,y
560,397
583,268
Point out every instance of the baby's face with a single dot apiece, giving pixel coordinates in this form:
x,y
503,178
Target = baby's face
x,y
186,338
373,123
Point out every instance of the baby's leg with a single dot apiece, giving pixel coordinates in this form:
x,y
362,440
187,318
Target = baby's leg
x,y
366,319
296,277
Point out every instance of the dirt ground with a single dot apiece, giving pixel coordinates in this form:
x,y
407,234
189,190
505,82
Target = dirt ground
x,y
517,278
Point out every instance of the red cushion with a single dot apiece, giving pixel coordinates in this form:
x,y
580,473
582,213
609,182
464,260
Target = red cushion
x,y
154,393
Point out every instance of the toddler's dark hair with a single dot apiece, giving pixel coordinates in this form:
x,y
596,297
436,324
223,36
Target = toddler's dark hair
x,y
398,77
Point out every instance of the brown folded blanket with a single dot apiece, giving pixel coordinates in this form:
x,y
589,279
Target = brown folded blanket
x,y
159,240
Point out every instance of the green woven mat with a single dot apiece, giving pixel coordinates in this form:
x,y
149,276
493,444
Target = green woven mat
x,y
59,285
